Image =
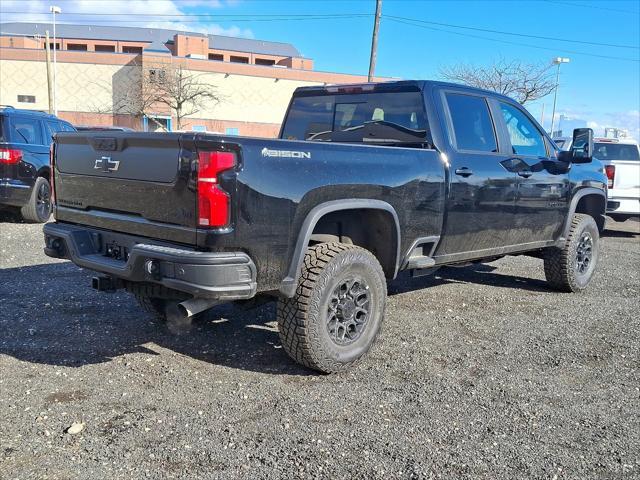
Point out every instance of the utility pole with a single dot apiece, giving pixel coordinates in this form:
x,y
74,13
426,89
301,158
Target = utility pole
x,y
49,80
556,61
374,40
55,10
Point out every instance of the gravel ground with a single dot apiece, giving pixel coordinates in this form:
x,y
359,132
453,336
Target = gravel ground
x,y
484,374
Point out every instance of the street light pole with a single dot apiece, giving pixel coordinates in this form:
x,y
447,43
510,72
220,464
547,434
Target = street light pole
x,y
55,10
556,61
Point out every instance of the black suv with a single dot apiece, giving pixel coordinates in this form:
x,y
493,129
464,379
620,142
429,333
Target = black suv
x,y
25,136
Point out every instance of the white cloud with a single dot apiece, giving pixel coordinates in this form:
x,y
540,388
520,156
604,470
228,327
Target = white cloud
x,y
166,14
598,121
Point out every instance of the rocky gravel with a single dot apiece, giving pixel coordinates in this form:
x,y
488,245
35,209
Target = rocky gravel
x,y
481,372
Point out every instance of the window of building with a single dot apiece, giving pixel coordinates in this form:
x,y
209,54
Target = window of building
x,y
26,98
237,59
216,56
82,47
265,61
57,45
105,48
472,125
157,75
131,49
232,131
525,137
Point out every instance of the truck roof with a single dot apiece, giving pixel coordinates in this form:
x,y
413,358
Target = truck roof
x,y
396,85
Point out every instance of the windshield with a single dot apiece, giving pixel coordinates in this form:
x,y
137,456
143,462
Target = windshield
x,y
615,151
375,118
3,129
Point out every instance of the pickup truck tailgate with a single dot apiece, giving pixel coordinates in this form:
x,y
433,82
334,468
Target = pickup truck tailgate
x,y
139,183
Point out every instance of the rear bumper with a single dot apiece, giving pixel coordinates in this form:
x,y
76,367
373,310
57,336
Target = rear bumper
x,y
622,205
14,192
216,275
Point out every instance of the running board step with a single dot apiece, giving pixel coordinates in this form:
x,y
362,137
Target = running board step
x,y
419,262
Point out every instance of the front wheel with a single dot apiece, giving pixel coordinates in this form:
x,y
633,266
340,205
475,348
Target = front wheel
x,y
336,314
571,267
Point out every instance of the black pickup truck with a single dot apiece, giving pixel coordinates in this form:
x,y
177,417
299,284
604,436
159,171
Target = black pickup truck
x,y
365,181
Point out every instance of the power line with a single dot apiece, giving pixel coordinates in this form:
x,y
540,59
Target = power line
x,y
514,43
584,4
539,37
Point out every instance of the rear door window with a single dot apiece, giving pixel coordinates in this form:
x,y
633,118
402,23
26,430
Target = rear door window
x,y
525,137
472,125
26,130
51,128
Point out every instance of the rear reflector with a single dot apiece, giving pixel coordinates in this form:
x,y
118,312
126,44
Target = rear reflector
x,y
10,156
213,201
610,170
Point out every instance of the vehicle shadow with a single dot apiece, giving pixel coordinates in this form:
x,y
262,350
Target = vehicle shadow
x,y
481,274
8,216
50,315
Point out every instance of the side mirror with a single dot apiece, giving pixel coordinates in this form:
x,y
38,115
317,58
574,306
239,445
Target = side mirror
x,y
582,145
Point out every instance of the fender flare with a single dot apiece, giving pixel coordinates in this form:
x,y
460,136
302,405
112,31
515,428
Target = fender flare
x,y
289,283
583,192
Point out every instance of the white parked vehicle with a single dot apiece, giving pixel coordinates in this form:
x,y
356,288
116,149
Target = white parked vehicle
x,y
621,160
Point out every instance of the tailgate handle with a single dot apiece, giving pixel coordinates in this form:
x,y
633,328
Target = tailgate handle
x,y
106,144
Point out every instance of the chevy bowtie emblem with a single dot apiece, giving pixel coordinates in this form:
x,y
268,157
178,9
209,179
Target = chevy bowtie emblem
x,y
106,164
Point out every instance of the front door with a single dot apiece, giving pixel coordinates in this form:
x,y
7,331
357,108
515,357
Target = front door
x,y
543,186
481,199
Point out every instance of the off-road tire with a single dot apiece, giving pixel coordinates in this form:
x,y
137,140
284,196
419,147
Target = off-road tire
x,y
561,264
38,208
303,321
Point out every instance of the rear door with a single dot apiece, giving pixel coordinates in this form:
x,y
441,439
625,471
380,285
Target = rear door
x,y
543,187
481,200
138,183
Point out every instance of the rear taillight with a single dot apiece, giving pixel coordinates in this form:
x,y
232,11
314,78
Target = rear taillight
x,y
52,161
610,170
213,202
10,156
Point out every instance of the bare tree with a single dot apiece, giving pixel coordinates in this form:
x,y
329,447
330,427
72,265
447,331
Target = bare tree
x,y
522,81
184,92
132,93
165,88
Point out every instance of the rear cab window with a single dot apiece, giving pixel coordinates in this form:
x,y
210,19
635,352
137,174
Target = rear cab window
x,y
615,151
473,127
25,130
383,118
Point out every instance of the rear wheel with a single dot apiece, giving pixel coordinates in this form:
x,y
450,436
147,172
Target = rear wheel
x,y
571,267
336,314
38,208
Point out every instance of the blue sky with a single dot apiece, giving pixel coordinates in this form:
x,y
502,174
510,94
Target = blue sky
x,y
602,91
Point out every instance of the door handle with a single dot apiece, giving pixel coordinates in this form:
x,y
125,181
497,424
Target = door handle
x,y
464,172
525,173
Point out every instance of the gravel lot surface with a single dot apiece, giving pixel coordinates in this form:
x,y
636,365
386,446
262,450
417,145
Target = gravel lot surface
x,y
484,374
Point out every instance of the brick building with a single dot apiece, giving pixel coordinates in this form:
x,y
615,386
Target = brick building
x,y
254,79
